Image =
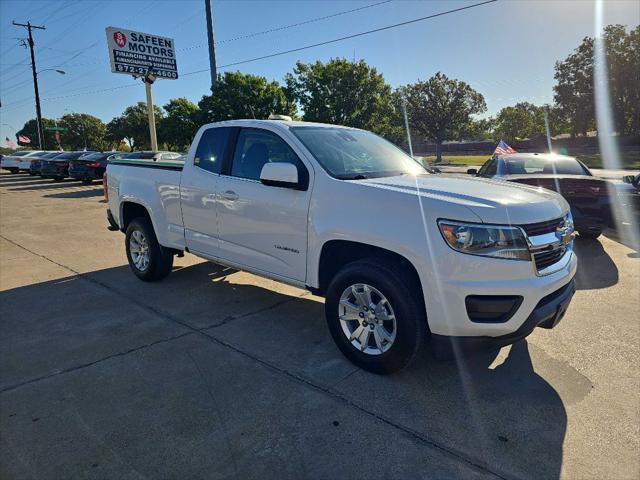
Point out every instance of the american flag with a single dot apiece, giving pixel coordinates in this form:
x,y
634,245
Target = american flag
x,y
9,143
503,149
23,139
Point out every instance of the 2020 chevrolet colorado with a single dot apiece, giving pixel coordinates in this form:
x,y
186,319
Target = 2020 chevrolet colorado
x,y
401,256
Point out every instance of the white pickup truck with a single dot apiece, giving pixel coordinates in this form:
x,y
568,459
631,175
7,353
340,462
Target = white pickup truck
x,y
402,257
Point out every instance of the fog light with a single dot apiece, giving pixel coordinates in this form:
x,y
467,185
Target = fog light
x,y
492,308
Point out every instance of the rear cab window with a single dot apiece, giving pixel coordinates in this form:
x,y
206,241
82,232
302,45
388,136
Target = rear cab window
x,y
211,149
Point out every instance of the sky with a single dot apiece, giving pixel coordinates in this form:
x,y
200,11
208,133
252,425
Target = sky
x,y
506,50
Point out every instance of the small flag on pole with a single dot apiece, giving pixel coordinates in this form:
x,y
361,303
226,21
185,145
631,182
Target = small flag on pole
x,y
503,149
9,143
23,139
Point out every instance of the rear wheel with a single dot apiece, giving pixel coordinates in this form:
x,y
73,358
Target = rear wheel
x,y
57,179
87,181
374,316
147,258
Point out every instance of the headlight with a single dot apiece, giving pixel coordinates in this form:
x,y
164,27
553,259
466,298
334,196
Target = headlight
x,y
486,240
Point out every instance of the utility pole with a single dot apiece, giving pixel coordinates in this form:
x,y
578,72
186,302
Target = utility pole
x,y
212,47
29,28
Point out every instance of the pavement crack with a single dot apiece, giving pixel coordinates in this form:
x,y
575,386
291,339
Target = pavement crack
x,y
232,318
94,362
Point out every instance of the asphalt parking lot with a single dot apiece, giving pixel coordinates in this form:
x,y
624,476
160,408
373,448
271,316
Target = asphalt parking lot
x,y
214,373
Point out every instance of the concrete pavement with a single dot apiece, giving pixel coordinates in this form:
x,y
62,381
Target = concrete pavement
x,y
214,373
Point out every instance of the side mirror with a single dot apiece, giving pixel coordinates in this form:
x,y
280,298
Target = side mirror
x,y
472,171
280,174
628,179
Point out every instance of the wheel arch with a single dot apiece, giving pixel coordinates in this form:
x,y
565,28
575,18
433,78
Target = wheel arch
x,y
130,210
337,253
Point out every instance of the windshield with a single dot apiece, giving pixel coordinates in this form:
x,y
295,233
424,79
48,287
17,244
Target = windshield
x,y
50,155
563,166
20,154
355,154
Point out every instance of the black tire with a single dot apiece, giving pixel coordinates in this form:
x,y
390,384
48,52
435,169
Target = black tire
x,y
590,234
32,174
403,296
87,181
57,179
160,259
13,170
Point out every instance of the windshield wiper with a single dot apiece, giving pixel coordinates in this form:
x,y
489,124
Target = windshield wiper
x,y
353,177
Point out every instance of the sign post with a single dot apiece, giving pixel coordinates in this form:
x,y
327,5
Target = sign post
x,y
152,117
145,56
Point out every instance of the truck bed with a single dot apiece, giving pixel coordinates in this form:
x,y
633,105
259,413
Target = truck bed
x,y
143,163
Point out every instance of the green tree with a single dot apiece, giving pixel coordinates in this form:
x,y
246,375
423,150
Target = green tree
x,y
240,95
83,130
523,120
133,125
478,130
30,129
345,93
178,128
574,90
440,108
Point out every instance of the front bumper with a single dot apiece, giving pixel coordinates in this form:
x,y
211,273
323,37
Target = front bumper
x,y
547,314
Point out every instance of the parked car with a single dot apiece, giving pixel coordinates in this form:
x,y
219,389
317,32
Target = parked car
x,y
90,167
633,180
35,162
400,255
12,162
58,167
588,196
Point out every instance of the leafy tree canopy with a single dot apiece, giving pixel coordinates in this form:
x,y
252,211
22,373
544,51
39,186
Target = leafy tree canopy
x,y
180,125
440,108
133,125
240,95
574,90
345,93
83,130
30,129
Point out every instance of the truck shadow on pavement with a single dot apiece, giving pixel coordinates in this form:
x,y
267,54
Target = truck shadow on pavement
x,y
502,413
596,269
86,193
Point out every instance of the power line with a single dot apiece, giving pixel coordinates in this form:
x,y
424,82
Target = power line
x,y
306,22
347,37
293,50
284,27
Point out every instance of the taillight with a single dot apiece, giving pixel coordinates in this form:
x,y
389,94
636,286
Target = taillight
x,y
94,164
104,186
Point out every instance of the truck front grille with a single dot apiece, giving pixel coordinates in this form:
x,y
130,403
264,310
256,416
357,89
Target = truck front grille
x,y
541,228
546,258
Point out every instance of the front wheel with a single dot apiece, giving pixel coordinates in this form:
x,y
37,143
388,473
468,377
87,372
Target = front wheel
x,y
375,317
591,234
148,260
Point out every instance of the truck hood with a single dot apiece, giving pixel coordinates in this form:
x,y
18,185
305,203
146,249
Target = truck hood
x,y
493,201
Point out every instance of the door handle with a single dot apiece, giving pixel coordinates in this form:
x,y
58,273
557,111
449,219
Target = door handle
x,y
230,195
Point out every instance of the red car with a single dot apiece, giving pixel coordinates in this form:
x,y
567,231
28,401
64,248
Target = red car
x,y
588,196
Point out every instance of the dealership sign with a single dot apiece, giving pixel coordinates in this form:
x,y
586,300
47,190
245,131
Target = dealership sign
x,y
136,53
